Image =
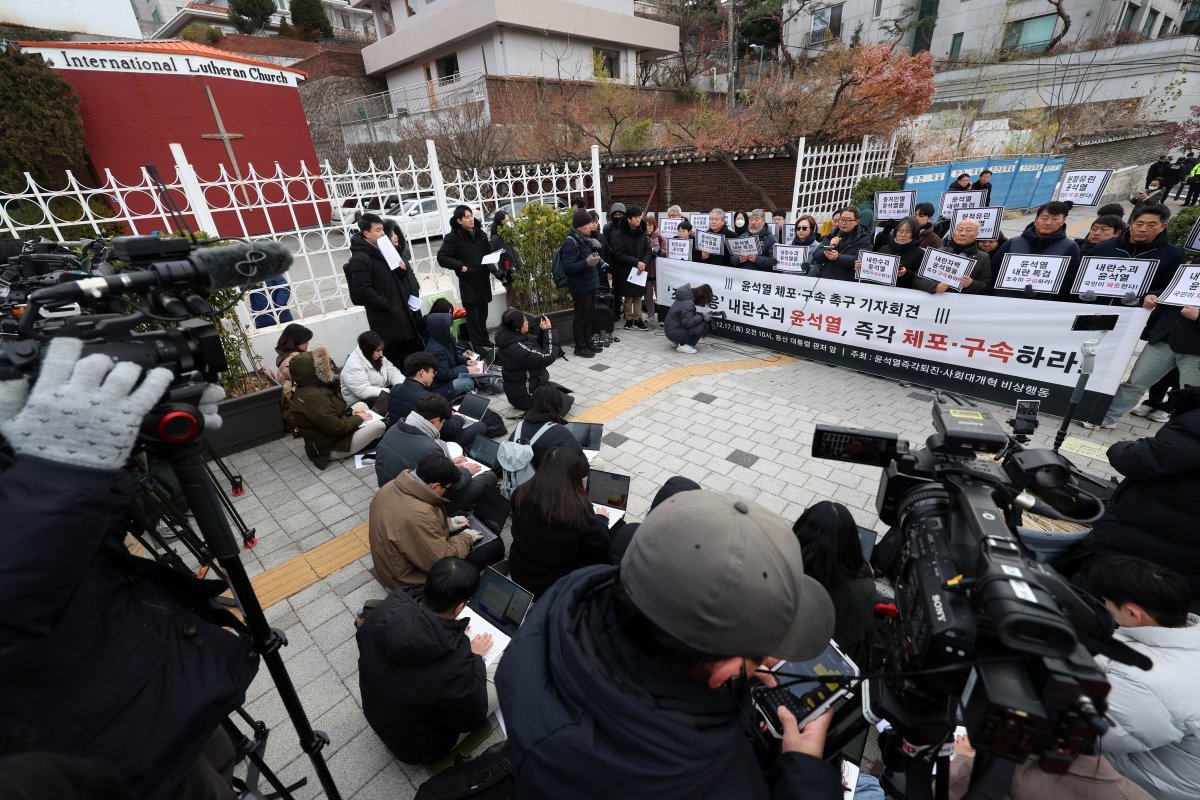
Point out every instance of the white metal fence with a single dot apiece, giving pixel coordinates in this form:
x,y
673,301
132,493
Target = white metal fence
x,y
826,176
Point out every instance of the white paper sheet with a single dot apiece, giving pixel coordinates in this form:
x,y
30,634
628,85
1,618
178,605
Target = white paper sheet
x,y
493,258
390,254
614,514
414,303
478,625
638,278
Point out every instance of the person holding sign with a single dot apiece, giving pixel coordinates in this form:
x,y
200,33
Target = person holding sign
x,y
962,243
716,225
1145,238
1045,236
630,254
904,243
806,236
923,213
764,259
839,250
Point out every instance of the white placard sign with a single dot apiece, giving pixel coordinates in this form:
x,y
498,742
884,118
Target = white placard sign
x,y
744,246
948,268
790,259
1193,239
1114,277
894,205
878,267
699,222
953,200
711,243
1044,273
390,254
1184,288
988,217
1083,187
680,249
669,227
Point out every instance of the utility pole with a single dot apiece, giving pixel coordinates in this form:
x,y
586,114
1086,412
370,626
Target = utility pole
x,y
731,77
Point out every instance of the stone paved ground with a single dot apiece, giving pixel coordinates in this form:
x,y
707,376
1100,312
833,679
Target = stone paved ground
x,y
746,432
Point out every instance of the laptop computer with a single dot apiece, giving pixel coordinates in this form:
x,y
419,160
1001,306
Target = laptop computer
x,y
490,515
498,607
473,406
609,491
485,451
380,406
588,434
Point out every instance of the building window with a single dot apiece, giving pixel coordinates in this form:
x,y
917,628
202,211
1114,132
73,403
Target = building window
x,y
1166,27
157,17
1148,26
956,45
826,25
1127,18
607,63
878,12
1030,34
447,68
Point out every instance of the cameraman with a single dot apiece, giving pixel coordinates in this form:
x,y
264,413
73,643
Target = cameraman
x,y
98,658
634,681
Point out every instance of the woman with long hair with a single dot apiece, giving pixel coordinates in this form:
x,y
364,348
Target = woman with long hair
x,y
292,342
833,556
687,321
368,373
524,355
462,252
510,261
555,529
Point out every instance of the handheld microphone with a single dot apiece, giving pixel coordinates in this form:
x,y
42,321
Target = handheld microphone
x,y
209,269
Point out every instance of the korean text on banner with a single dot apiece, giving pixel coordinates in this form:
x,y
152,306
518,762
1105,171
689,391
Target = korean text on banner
x,y
1114,277
1184,289
878,267
962,343
927,182
1043,273
894,205
947,268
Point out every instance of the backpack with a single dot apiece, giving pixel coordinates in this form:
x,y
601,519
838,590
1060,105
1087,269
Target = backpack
x,y
516,459
556,269
487,776
354,297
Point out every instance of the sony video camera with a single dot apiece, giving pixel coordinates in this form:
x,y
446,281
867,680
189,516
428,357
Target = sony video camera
x,y
983,629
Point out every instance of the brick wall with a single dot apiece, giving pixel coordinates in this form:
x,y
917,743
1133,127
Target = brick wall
x,y
330,63
278,46
701,185
516,99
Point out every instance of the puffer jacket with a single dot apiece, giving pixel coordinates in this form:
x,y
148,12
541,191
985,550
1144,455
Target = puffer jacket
x,y
629,247
1155,738
466,248
848,247
421,685
683,321
523,359
324,420
1056,244
361,382
384,292
441,344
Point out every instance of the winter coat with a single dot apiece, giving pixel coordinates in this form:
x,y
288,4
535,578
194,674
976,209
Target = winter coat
x,y
911,255
1153,512
542,553
1157,170
403,398
361,382
683,321
856,626
441,344
1168,324
581,277
629,248
282,363
497,242
408,531
558,437
980,274
1155,738
1056,244
986,188
1169,258
656,240
96,660
466,248
848,247
403,447
384,292
718,259
588,720
1089,777
765,257
421,685
813,248
324,420
523,360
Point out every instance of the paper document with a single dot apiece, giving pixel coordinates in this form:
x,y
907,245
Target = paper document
x,y
483,468
478,625
614,514
453,449
390,254
363,460
414,303
493,258
638,278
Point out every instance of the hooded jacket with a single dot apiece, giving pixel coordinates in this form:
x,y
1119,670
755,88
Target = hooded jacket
x,y
408,531
441,344
1152,514
629,246
523,359
421,685
848,247
384,292
324,420
361,382
460,248
683,321
587,718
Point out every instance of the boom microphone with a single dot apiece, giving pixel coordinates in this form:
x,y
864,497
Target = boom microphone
x,y
208,268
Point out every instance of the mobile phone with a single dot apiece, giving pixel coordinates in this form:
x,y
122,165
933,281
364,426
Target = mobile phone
x,y
1025,420
807,698
1094,322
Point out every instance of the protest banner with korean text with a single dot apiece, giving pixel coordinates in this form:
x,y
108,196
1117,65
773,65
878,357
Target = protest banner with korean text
x,y
711,243
952,200
1083,187
894,205
878,267
943,267
785,233
679,249
1193,239
967,344
1184,288
790,259
745,246
699,222
988,217
669,227
1044,273
1104,276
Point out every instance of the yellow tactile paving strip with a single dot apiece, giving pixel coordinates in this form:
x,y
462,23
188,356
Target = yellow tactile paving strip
x,y
297,574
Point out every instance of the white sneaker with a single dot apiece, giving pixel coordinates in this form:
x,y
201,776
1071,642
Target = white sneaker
x,y
686,348
1142,411
1158,416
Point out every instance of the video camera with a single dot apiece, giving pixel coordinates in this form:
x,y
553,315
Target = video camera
x,y
983,629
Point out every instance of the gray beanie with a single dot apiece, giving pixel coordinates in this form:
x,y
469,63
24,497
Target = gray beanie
x,y
615,208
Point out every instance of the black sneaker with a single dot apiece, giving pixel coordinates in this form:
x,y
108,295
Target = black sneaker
x,y
628,324
640,325
582,353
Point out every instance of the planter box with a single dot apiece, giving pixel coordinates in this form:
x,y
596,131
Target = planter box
x,y
561,322
248,421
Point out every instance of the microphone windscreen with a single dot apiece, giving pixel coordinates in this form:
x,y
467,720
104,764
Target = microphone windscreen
x,y
240,265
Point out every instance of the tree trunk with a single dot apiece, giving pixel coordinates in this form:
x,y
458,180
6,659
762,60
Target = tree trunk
x,y
1062,14
768,203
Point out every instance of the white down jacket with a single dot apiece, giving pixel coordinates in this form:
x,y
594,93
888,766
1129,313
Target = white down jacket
x,y
361,382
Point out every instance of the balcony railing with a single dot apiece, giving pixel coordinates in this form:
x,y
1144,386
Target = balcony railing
x,y
416,98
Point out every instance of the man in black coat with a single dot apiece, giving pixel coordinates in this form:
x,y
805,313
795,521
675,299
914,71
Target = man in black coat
x,y
1158,170
386,293
424,677
716,225
580,263
1153,514
462,253
835,259
419,370
630,252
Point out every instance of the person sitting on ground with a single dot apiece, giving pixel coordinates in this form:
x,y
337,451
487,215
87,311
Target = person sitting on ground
x,y
419,370
839,250
687,320
418,435
524,356
367,373
451,379
292,342
716,224
420,673
833,556
904,242
1045,236
548,407
331,429
554,528
962,242
1103,229
409,531
1155,714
